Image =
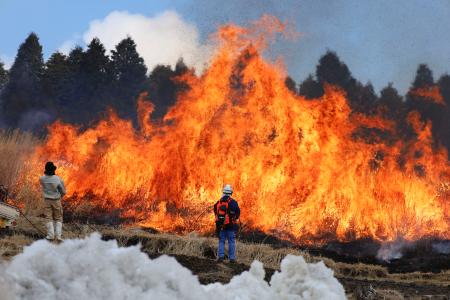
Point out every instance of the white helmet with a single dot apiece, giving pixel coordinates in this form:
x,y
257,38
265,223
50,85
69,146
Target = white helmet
x,y
227,189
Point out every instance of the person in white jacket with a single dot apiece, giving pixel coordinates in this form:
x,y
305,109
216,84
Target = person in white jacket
x,y
53,190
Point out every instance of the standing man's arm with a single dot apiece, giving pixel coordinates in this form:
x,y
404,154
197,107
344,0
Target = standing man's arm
x,y
61,188
234,210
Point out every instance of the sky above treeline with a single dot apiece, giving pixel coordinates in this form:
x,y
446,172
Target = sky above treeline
x,y
381,41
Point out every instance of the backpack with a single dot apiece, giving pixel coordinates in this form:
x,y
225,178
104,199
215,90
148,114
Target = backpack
x,y
222,212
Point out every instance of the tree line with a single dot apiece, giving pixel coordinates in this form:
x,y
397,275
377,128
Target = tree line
x,y
78,88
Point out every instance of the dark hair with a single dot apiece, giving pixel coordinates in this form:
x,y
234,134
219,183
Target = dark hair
x,y
50,168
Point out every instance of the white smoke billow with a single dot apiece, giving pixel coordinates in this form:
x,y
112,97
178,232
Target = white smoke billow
x,y
162,39
391,250
94,269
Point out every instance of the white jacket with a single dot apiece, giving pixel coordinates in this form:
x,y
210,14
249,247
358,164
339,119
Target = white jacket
x,y
52,187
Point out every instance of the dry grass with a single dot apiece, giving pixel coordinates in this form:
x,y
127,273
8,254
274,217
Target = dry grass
x,y
13,245
206,247
193,245
15,149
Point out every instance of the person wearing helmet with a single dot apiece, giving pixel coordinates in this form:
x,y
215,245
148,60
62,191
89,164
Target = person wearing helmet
x,y
53,190
227,212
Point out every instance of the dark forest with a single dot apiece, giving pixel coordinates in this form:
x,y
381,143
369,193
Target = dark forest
x,y
79,88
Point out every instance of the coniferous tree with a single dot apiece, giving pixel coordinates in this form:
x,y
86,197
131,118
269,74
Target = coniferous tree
x,y
4,76
310,88
95,67
54,81
129,75
181,68
96,77
444,127
161,89
71,111
23,91
163,86
429,109
424,77
291,84
331,70
363,98
390,103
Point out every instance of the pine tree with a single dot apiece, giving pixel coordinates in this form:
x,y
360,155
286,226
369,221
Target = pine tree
x,y
129,73
23,91
4,76
73,94
54,80
95,77
310,88
95,67
444,127
429,110
363,98
162,89
331,70
291,84
390,104
424,77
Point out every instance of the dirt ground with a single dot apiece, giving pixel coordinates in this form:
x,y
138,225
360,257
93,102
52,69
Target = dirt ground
x,y
361,281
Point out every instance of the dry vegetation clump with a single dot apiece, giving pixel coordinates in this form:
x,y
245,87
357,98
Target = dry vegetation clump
x,y
15,149
11,245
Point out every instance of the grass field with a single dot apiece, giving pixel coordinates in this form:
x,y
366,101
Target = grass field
x,y
362,281
199,253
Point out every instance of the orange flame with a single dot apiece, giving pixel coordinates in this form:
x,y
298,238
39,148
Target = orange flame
x,y
431,93
295,164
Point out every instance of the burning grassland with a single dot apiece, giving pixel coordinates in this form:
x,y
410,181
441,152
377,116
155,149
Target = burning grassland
x,y
310,170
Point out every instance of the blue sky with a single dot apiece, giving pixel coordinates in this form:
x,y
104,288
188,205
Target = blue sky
x,y
380,41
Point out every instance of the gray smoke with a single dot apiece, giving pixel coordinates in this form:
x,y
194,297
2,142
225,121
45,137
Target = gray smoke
x,y
35,120
441,247
380,41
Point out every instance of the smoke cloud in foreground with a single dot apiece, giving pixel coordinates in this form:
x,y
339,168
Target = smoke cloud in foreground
x,y
94,269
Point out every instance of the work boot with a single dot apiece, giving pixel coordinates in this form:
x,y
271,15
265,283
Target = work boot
x,y
220,260
58,230
232,261
50,231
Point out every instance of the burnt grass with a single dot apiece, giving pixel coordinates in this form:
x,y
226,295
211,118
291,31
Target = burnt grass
x,y
415,258
418,256
208,270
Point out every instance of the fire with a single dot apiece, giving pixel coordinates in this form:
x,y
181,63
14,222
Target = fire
x,y
297,166
431,93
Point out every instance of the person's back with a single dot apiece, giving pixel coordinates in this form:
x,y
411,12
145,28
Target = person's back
x,y
227,212
53,190
52,187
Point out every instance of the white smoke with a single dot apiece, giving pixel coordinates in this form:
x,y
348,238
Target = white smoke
x,y
391,250
162,39
95,269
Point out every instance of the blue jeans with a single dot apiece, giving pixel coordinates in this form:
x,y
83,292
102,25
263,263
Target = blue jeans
x,y
227,234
